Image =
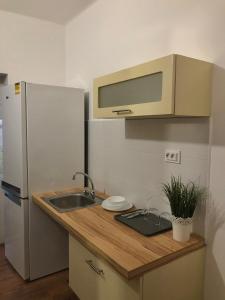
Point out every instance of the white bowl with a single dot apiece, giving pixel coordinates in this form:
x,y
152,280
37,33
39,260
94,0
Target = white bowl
x,y
108,206
116,200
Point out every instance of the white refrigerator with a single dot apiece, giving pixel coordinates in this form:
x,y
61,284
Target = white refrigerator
x,y
43,146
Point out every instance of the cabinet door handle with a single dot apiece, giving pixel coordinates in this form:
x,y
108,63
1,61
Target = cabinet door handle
x,y
93,267
122,111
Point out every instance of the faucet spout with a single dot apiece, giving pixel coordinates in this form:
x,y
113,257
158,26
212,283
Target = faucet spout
x,y
92,190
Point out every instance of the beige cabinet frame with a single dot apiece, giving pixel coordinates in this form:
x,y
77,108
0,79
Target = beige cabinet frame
x,y
186,89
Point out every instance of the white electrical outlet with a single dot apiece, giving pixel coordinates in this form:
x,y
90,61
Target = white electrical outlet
x,y
173,156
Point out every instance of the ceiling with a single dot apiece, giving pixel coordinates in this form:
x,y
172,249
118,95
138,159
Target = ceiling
x,y
58,11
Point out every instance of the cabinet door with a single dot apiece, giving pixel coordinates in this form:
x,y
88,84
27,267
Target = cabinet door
x,y
147,89
181,279
93,279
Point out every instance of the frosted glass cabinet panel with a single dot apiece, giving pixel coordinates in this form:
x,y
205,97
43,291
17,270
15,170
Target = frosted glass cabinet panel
x,y
174,85
142,89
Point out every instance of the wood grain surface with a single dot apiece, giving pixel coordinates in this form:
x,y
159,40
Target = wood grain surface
x,y
129,252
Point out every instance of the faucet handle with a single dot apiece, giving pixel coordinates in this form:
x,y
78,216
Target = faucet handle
x,y
89,192
86,191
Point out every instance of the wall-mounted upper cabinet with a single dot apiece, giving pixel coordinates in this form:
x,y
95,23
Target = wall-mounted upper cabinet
x,y
174,85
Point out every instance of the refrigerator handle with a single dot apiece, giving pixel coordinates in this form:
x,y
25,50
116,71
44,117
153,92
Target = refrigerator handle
x,y
14,199
11,189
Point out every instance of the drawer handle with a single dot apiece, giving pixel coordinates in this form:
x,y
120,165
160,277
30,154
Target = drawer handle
x,y
93,267
122,111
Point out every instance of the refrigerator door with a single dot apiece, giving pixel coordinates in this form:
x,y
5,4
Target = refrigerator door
x,y
14,139
16,233
55,138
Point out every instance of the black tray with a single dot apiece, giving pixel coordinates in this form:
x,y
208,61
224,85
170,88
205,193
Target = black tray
x,y
146,224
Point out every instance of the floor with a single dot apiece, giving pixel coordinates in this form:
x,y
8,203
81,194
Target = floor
x,y
13,287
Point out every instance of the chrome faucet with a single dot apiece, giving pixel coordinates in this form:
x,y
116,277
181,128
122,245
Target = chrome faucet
x,y
91,191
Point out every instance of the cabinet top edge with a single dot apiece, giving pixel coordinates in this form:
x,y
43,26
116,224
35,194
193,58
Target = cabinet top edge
x,y
172,56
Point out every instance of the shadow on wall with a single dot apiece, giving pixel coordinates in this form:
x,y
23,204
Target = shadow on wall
x,y
218,108
215,286
215,217
1,193
86,134
181,130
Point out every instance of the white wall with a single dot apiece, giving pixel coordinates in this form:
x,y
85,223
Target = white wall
x,y
30,50
127,157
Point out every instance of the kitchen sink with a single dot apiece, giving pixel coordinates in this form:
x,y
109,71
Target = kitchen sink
x,y
64,203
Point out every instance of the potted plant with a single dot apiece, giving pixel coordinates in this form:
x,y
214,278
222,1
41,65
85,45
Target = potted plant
x,y
183,200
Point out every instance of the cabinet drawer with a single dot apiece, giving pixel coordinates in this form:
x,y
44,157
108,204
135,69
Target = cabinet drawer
x,y
91,278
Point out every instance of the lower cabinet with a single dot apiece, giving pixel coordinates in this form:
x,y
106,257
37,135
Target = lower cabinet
x,y
92,278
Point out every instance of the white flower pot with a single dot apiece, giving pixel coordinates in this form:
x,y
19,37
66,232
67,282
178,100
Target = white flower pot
x,y
182,229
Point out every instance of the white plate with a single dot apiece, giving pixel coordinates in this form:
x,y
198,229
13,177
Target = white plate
x,y
105,204
108,204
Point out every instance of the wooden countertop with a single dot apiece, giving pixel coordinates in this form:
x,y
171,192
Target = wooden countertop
x,y
129,252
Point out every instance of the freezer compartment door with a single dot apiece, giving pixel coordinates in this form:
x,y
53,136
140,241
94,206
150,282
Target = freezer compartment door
x,y
14,138
48,244
16,233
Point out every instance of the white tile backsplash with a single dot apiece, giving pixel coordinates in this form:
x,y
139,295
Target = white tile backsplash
x,y
127,157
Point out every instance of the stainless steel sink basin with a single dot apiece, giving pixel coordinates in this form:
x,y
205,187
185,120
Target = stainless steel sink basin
x,y
72,201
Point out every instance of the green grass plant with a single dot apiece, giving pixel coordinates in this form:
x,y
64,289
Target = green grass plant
x,y
183,198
